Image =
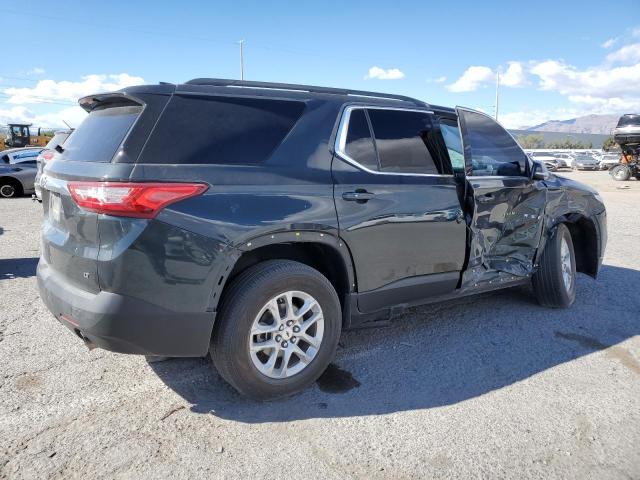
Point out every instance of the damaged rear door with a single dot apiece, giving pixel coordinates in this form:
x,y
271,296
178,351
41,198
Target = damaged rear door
x,y
506,206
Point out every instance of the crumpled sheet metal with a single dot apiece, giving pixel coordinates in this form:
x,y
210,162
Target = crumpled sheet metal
x,y
505,234
506,242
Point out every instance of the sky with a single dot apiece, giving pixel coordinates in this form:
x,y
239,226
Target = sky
x,y
555,59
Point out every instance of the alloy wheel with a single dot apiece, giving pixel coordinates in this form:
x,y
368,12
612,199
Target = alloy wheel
x,y
7,191
566,265
286,334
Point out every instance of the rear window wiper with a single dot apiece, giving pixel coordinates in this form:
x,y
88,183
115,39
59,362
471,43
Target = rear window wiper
x,y
59,148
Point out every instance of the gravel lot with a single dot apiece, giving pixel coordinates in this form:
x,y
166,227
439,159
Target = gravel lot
x,y
493,387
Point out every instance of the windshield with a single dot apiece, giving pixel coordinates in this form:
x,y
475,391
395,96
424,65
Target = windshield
x,y
20,131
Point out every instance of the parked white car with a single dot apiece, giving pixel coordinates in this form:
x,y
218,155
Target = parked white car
x,y
609,160
565,160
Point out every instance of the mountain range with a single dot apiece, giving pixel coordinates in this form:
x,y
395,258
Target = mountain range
x,y
598,124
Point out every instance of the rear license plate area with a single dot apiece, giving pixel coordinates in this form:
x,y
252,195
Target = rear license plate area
x,y
55,209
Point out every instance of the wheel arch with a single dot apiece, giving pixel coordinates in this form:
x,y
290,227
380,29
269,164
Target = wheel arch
x,y
322,251
585,240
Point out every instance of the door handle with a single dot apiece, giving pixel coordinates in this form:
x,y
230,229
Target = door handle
x,y
360,196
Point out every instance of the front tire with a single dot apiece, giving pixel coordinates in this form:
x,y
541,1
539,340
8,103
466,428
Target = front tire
x,y
554,283
278,328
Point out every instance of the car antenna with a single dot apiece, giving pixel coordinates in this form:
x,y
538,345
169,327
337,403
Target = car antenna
x,y
70,127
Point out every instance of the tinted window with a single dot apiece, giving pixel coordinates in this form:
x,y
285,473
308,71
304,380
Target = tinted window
x,y
493,151
404,140
451,134
57,139
359,144
220,130
629,120
100,134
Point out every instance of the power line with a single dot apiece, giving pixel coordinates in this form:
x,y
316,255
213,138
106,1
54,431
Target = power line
x,y
33,80
157,33
42,100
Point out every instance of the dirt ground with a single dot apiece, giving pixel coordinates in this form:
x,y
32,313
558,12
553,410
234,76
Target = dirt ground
x,y
493,386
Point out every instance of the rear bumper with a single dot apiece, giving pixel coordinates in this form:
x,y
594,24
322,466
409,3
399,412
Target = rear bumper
x,y
124,324
624,136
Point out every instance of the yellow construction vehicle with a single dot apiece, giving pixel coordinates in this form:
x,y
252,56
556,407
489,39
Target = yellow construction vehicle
x,y
19,135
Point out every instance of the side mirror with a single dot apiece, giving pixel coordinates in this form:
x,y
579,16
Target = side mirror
x,y
539,171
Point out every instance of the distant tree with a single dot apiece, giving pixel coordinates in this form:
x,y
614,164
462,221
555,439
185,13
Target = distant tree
x,y
608,144
531,141
567,144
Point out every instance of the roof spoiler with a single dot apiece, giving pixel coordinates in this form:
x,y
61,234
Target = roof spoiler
x,y
107,100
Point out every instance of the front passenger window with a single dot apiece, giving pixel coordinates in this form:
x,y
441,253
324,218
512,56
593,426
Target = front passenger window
x,y
493,151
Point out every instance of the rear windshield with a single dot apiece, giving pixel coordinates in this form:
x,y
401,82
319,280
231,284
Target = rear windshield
x,y
57,139
220,130
628,120
100,134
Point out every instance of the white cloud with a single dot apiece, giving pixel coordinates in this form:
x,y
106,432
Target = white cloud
x,y
514,75
606,105
382,74
471,79
36,71
609,42
626,54
441,79
595,90
51,91
597,81
478,75
72,115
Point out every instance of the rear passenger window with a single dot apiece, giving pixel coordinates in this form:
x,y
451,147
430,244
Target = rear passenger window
x,y
493,151
220,130
359,144
451,135
404,140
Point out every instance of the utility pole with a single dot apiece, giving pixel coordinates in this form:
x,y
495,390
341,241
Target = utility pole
x,y
241,42
497,91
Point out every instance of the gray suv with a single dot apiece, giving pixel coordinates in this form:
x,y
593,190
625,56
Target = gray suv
x,y
17,171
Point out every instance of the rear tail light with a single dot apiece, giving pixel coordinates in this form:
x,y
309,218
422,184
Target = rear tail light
x,y
46,156
126,199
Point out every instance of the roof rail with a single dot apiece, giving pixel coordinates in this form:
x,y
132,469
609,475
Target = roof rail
x,y
221,82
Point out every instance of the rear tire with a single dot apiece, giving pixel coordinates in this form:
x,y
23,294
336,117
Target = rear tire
x,y
620,173
554,283
237,351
